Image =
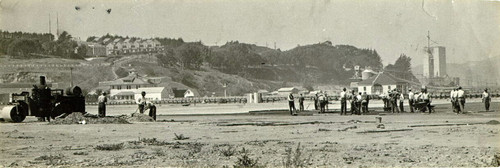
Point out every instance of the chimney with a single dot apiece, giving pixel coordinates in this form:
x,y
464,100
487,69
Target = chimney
x,y
42,80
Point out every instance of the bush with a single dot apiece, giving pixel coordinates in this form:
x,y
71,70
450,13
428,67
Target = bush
x,y
295,159
245,161
110,147
180,137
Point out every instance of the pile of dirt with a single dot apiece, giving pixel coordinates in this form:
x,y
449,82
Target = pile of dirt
x,y
138,117
79,118
493,122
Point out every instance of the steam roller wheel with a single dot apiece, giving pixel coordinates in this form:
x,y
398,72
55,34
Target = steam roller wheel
x,y
60,109
16,114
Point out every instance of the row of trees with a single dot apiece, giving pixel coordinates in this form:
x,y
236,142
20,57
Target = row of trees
x,y
25,45
323,61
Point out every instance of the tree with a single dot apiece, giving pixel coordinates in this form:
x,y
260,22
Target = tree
x,y
401,68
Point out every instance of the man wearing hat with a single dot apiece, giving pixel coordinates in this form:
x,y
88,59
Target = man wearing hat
x,y
102,99
411,100
461,99
486,99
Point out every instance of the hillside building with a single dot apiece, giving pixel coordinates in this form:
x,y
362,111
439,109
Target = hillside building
x,y
128,88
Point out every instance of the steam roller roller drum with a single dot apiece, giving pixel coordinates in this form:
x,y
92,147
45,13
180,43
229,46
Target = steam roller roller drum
x,y
12,113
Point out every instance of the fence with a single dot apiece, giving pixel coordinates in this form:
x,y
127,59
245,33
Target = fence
x,y
267,99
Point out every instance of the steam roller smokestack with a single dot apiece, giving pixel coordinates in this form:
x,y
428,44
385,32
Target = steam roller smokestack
x,y
42,80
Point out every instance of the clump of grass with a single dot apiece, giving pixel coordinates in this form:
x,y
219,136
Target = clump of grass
x,y
244,161
227,152
49,157
295,158
150,141
180,137
81,153
110,147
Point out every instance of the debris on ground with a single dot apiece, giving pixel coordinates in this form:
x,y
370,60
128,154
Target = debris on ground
x,y
379,131
79,118
138,117
381,126
493,122
345,129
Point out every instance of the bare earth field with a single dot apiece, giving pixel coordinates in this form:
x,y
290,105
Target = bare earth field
x,y
271,140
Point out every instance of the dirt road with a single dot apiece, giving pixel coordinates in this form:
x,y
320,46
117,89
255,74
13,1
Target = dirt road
x,y
320,140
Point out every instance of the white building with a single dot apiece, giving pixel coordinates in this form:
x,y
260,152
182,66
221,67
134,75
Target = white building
x,y
381,84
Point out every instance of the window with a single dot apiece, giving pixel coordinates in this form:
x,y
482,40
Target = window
x,y
136,86
364,88
112,87
119,87
129,87
389,87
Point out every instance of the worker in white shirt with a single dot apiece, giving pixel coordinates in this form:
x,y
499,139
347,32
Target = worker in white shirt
x,y
486,99
426,98
401,99
102,99
359,99
343,102
411,100
291,104
145,105
453,100
461,99
141,102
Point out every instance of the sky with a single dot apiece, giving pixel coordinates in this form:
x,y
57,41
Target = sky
x,y
469,29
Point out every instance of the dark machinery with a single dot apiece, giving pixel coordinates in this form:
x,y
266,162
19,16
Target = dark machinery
x,y
43,102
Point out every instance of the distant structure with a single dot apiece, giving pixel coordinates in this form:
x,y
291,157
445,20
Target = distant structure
x,y
434,66
435,62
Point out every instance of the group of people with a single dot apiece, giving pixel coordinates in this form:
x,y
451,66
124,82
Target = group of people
x,y
359,102
457,97
142,105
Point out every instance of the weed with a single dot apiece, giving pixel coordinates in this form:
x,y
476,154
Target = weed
x,y
158,152
110,147
295,159
51,159
81,153
245,161
227,152
180,137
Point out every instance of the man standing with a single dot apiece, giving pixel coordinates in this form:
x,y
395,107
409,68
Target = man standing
x,y
353,99
321,103
102,99
316,101
401,99
291,104
461,99
411,100
394,100
486,99
301,102
426,98
343,102
453,100
364,103
359,99
141,102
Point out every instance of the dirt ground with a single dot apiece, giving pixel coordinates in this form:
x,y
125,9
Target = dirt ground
x,y
272,140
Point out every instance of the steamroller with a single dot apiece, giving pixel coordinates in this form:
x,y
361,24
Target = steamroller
x,y
43,102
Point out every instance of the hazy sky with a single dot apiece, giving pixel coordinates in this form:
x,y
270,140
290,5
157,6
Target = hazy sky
x,y
469,29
